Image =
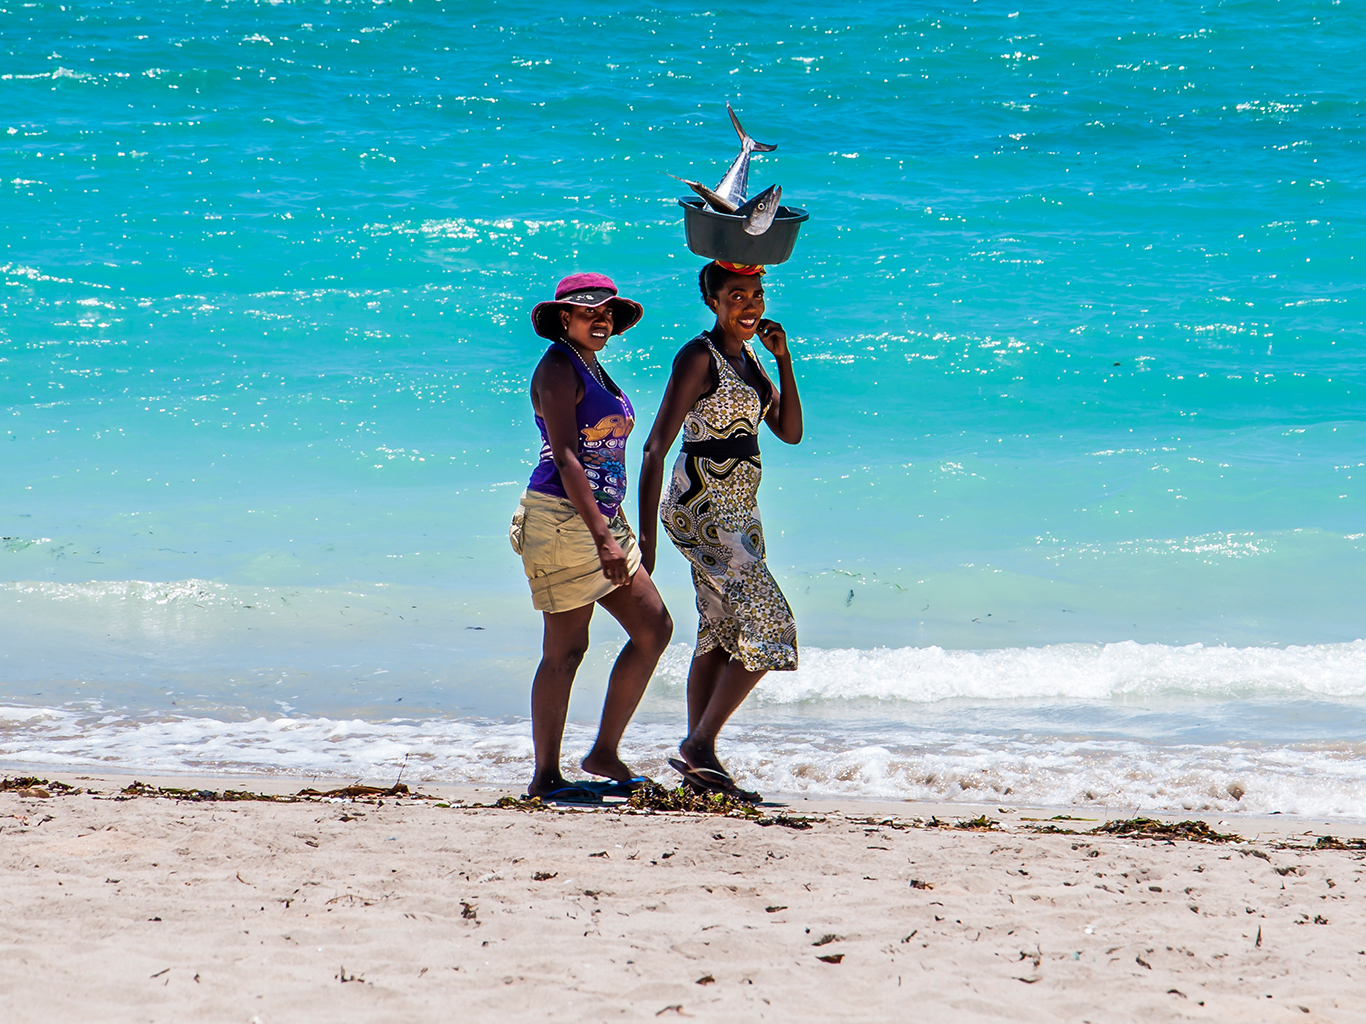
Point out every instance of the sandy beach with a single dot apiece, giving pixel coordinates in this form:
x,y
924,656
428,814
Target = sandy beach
x,y
399,908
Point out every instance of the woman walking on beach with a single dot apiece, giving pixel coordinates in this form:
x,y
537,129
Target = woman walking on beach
x,y
576,546
717,395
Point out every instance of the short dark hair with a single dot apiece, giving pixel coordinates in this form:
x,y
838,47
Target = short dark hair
x,y
710,279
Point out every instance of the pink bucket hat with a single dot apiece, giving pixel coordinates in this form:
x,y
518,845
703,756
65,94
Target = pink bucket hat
x,y
585,290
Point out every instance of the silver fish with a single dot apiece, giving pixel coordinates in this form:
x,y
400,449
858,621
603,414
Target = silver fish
x,y
760,211
734,187
711,198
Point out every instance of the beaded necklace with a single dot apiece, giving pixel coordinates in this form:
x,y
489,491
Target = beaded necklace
x,y
595,371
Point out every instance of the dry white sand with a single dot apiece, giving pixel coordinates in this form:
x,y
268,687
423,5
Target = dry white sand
x,y
158,910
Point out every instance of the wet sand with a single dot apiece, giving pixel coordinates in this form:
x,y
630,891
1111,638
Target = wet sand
x,y
154,909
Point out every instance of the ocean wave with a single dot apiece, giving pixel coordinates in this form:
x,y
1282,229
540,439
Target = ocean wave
x,y
1082,671
819,760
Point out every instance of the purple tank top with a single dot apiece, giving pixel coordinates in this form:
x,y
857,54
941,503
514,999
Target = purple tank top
x,y
605,419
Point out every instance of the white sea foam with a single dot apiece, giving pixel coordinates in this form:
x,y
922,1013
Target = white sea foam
x,y
1061,671
819,758
1124,725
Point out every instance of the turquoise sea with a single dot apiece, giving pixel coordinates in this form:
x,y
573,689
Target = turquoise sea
x,y
1078,319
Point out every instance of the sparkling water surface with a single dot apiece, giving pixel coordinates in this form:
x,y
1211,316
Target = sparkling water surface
x,y
1077,320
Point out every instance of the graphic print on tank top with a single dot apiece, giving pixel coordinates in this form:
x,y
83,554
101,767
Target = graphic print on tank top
x,y
711,513
604,417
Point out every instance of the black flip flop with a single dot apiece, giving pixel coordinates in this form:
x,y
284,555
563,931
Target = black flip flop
x,y
710,780
690,782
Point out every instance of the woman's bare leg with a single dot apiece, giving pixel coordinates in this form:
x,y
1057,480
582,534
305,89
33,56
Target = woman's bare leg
x,y
703,675
562,651
727,691
641,612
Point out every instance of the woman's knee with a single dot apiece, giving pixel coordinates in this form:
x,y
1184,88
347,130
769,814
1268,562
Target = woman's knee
x,y
657,630
565,641
663,629
652,631
564,656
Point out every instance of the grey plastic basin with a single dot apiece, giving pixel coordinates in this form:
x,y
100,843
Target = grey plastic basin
x,y
722,236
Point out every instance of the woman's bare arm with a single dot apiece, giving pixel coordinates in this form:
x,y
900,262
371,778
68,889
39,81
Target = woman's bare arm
x,y
555,393
691,376
785,414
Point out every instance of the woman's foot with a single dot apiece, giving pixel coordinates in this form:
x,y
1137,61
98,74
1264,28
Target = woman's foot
x,y
698,754
706,769
708,780
607,765
545,783
556,789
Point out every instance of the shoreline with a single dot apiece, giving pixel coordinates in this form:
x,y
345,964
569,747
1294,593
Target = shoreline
x,y
1220,756
379,908
1257,827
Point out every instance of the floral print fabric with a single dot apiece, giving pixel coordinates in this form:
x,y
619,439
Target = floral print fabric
x,y
711,513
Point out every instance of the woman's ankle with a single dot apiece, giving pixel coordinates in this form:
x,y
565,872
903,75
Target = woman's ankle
x,y
698,751
547,780
606,763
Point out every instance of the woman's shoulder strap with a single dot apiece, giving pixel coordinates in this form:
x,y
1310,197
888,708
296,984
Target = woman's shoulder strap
x,y
693,349
696,349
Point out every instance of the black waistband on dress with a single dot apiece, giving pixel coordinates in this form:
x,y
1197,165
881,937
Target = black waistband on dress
x,y
740,446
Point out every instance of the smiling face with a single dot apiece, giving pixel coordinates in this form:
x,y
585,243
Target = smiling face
x,y
587,327
739,304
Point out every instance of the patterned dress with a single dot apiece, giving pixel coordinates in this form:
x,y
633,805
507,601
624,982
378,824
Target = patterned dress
x,y
711,513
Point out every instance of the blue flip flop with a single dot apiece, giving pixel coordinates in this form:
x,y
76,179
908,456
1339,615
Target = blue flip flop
x,y
571,794
611,787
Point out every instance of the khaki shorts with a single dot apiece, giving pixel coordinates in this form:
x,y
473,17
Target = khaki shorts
x,y
558,553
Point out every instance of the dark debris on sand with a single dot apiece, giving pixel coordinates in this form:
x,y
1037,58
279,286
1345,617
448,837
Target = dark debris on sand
x,y
361,792
647,798
981,823
138,789
518,803
651,796
1151,828
28,785
892,823
787,821
355,792
1334,843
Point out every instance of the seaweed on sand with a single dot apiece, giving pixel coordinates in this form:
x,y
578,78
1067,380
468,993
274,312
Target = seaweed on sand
x,y
787,821
891,823
1334,843
518,803
981,823
138,789
351,792
28,785
651,796
1151,828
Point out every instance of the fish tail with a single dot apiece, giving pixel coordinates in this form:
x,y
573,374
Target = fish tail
x,y
745,140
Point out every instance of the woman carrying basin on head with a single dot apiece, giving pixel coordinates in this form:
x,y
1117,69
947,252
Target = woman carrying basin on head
x,y
717,395
576,546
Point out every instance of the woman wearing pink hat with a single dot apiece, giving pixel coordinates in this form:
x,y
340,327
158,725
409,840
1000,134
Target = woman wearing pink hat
x,y
576,546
